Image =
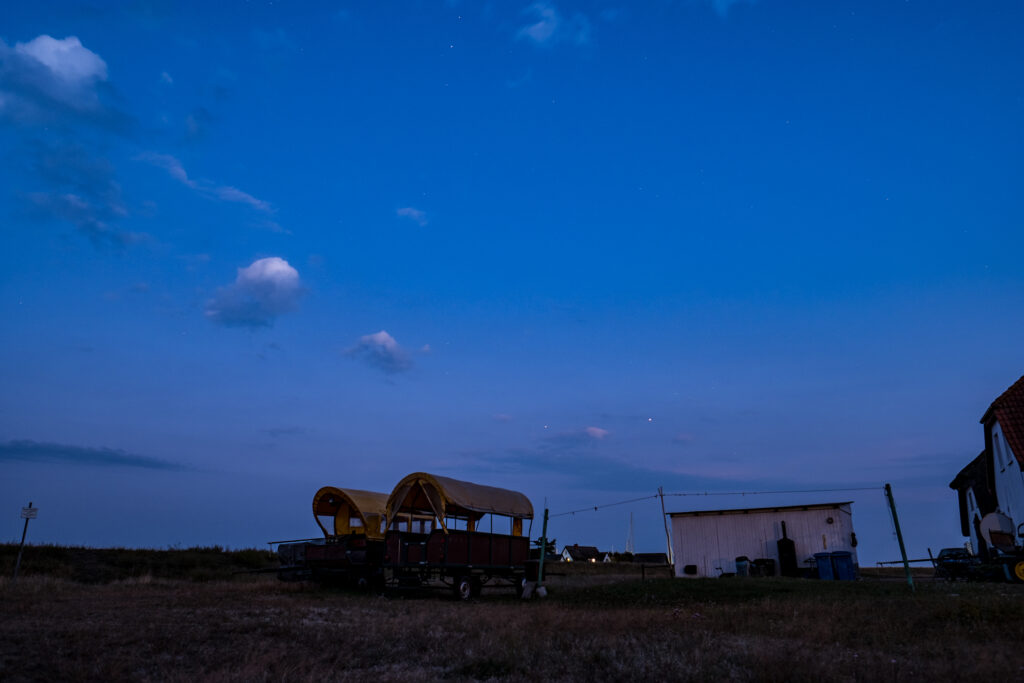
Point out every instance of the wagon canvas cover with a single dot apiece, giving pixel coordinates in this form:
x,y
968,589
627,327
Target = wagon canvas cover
x,y
443,496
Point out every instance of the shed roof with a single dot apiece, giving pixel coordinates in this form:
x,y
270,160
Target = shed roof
x,y
440,496
1008,409
746,511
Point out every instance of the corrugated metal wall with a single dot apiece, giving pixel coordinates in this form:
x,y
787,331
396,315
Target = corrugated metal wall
x,y
712,542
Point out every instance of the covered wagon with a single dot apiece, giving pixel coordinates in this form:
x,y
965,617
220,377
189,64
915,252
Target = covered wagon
x,y
461,534
352,547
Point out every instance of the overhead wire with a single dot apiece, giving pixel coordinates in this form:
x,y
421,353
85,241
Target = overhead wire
x,y
594,508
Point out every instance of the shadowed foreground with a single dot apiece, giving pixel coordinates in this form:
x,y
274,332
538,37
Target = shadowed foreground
x,y
256,628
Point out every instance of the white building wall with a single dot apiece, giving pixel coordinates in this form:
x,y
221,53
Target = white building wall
x,y
972,512
712,542
1009,479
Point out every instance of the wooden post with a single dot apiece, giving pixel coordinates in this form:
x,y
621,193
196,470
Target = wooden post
x,y
664,518
899,536
17,563
543,549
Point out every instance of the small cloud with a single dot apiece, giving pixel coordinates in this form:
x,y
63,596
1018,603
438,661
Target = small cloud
x,y
169,164
35,451
502,417
426,348
682,438
261,292
596,432
67,59
91,219
414,214
380,350
81,190
543,29
62,70
166,78
50,81
224,193
233,194
549,26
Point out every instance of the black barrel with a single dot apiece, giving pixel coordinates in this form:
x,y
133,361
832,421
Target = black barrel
x,y
787,555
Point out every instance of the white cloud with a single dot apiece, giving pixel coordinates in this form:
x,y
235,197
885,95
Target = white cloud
x,y
414,214
233,194
596,432
544,28
381,351
67,59
169,164
550,27
261,292
223,192
47,74
166,78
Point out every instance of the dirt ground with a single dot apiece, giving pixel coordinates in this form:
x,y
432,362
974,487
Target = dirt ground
x,y
596,626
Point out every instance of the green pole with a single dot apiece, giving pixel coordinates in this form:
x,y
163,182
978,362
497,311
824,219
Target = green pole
x,y
899,536
543,549
17,563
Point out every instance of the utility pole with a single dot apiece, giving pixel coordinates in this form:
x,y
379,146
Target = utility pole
x,y
899,536
629,541
26,514
543,549
664,519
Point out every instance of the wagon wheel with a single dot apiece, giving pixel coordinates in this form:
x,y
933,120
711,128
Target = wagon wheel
x,y
463,588
1017,570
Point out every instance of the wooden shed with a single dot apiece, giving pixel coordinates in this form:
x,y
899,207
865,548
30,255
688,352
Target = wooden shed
x,y
707,542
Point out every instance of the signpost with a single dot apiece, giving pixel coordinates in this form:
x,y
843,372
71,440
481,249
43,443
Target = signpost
x,y
26,514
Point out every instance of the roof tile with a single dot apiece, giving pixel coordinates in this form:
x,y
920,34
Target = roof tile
x,y
1009,410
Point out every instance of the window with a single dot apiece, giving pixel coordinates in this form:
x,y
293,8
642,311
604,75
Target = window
x,y
998,447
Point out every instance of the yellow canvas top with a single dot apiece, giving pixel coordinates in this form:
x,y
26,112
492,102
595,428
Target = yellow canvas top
x,y
422,493
343,504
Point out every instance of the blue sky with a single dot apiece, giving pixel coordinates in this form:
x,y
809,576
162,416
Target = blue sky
x,y
577,249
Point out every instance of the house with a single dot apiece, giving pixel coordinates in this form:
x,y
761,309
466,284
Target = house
x,y
581,553
974,488
708,542
993,483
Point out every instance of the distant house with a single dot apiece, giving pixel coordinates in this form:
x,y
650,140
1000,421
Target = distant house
x,y
581,553
993,482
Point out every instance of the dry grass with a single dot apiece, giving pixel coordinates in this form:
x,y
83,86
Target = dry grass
x,y
595,625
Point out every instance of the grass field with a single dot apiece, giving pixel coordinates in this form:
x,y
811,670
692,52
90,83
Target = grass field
x,y
597,624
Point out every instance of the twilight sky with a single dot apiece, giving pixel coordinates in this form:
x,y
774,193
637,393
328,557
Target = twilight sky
x,y
578,249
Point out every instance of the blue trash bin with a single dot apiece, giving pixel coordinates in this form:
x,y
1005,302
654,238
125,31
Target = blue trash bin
x,y
824,562
842,566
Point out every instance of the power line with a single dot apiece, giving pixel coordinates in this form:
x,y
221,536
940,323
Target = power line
x,y
606,505
595,508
